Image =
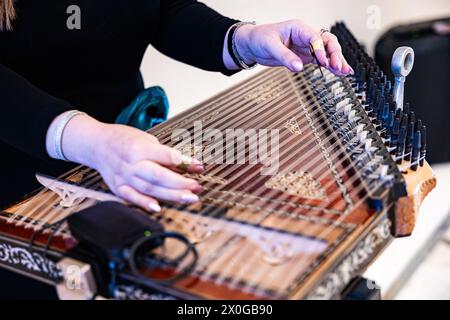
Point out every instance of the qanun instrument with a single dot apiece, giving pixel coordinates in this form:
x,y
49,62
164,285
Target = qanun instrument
x,y
351,174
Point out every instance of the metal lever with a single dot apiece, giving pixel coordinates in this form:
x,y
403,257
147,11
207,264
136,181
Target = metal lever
x,y
401,65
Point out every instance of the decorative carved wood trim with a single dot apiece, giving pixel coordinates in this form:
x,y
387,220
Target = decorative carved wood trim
x,y
418,184
34,262
336,280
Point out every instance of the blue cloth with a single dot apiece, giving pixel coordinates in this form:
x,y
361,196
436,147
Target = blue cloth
x,y
148,109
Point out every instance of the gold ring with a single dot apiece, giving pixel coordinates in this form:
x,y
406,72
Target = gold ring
x,y
317,45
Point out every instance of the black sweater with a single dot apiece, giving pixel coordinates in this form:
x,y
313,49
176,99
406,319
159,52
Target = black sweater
x,y
46,69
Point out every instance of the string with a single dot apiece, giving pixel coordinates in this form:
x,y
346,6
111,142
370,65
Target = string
x,y
85,184
307,146
212,106
232,107
66,175
57,211
23,208
44,211
316,119
344,159
247,176
74,169
305,257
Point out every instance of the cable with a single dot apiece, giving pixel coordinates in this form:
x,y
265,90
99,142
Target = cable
x,y
55,226
139,245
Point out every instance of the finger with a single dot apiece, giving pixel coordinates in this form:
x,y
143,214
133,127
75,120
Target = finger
x,y
285,56
131,195
336,62
333,50
318,47
171,157
346,68
164,177
190,169
182,196
153,139
306,36
304,54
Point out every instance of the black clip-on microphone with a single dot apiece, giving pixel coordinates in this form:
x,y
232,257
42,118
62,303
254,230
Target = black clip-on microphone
x,y
120,236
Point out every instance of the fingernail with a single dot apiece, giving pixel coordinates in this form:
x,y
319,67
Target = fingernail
x,y
154,207
297,66
189,160
189,197
198,167
352,72
196,188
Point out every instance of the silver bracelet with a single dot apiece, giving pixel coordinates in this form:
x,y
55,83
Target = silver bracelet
x,y
61,125
241,61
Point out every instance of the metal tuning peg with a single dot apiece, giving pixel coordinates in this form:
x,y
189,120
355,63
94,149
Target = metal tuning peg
x,y
401,65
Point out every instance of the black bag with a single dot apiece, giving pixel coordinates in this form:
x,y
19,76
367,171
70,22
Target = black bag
x,y
427,87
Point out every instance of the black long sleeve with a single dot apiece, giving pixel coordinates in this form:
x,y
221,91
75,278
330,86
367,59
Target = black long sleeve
x,y
191,32
47,68
96,68
27,113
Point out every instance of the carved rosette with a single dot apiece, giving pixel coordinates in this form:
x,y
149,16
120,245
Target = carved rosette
x,y
293,127
297,183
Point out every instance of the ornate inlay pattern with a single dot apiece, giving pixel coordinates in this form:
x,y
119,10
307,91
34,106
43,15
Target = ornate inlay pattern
x,y
129,292
265,92
297,183
293,126
28,260
206,178
338,279
191,150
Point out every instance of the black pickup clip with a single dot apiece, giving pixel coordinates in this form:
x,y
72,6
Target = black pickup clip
x,y
120,238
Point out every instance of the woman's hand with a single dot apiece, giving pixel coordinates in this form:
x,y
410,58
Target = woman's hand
x,y
134,165
288,44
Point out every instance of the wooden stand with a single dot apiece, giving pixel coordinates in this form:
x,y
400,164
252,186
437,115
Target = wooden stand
x,y
419,183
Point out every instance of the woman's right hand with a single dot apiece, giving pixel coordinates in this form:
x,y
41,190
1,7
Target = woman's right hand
x,y
133,164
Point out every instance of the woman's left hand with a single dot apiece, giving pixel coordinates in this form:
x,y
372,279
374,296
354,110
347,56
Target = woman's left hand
x,y
288,44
